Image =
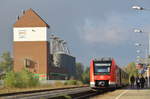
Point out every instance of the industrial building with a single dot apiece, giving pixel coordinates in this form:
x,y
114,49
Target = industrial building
x,y
61,56
35,50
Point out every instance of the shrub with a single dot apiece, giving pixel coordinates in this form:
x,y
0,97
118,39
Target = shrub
x,y
79,83
20,79
58,83
10,79
73,82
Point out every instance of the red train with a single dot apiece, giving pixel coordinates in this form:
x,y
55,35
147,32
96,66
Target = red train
x,y
105,73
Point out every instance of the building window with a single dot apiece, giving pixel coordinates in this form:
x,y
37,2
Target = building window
x,y
27,63
22,33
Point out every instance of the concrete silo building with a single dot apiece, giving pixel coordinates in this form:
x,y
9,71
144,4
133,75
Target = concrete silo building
x,y
66,61
61,56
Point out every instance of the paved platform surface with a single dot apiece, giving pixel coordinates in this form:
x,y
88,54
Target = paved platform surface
x,y
125,93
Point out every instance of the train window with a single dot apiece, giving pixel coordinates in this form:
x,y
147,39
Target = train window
x,y
102,64
102,69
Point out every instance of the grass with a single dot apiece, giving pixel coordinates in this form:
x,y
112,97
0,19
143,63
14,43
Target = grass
x,y
41,87
57,84
66,96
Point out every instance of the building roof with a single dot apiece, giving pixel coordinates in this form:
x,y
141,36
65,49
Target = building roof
x,y
30,19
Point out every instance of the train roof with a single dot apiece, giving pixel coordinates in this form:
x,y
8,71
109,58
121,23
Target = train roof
x,y
104,59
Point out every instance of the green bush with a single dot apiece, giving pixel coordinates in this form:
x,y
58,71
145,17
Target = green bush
x,y
79,83
58,83
21,79
10,79
73,82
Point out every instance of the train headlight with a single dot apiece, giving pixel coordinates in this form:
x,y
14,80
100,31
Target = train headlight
x,y
101,83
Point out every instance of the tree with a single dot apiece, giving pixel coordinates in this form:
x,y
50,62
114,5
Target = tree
x,y
79,70
86,76
7,63
131,69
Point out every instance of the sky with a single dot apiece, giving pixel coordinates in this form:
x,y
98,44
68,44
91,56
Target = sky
x,y
92,28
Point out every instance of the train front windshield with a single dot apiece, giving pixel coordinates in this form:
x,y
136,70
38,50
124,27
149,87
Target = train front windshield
x,y
102,68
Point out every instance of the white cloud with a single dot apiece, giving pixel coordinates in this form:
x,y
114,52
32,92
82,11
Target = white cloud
x,y
110,31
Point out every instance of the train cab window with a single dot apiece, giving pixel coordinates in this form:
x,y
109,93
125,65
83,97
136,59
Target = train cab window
x,y
102,68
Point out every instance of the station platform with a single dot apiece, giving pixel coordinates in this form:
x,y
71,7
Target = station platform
x,y
126,93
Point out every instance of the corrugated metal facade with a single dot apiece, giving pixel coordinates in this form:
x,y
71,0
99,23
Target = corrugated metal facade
x,y
65,61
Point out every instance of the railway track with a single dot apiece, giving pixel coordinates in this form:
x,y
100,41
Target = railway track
x,y
81,92
45,94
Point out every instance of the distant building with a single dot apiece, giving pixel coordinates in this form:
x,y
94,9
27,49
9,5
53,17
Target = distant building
x,y
31,49
61,56
65,61
30,44
144,66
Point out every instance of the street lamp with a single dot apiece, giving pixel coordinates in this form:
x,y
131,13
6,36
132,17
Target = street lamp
x,y
137,8
138,51
138,44
140,31
138,59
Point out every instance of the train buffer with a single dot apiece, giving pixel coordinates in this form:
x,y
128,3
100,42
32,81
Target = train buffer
x,y
125,93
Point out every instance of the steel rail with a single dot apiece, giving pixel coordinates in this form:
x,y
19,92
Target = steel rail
x,y
45,93
36,91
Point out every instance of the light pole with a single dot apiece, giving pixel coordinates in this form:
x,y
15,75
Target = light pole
x,y
138,51
138,59
140,31
147,53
